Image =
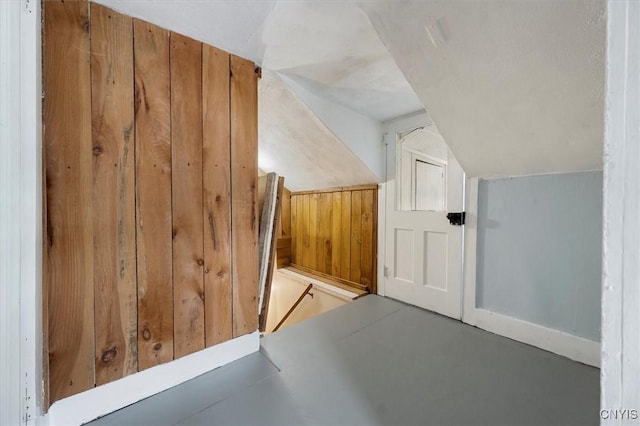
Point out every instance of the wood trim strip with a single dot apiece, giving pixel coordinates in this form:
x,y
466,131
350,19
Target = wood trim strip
x,y
338,189
352,284
338,282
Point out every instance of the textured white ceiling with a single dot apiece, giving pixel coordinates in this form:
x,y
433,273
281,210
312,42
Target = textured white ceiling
x,y
297,145
334,52
330,44
233,25
330,53
515,87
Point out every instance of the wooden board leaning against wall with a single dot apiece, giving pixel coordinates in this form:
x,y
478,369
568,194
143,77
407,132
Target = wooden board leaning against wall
x,y
334,234
150,140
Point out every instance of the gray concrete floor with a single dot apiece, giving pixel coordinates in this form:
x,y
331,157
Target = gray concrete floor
x,y
377,361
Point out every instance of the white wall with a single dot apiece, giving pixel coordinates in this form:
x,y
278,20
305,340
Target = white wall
x,y
539,250
20,213
620,377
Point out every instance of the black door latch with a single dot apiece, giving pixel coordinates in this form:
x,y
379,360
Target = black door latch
x,y
456,218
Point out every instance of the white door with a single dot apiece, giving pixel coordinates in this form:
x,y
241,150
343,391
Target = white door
x,y
423,254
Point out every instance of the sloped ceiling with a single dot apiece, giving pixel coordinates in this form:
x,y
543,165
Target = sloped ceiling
x,y
317,159
333,50
515,87
328,52
236,26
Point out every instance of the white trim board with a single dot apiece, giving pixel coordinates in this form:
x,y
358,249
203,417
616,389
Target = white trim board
x,y
573,347
470,245
558,342
620,377
10,182
105,399
21,384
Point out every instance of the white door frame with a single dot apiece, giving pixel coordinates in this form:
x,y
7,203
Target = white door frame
x,y
21,211
620,376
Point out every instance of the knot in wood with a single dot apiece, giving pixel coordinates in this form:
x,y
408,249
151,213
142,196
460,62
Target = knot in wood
x,y
110,355
146,333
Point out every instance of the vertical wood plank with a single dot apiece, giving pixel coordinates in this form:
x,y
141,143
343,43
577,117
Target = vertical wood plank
x,y
345,240
295,234
186,195
267,200
303,223
374,281
153,194
313,232
113,194
69,187
356,235
286,221
366,257
216,157
320,237
336,233
244,174
264,311
326,230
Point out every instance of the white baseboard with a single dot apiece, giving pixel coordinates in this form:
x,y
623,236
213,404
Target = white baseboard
x,y
573,347
105,399
558,342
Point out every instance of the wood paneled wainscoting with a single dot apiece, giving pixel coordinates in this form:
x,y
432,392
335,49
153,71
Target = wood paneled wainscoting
x,y
334,234
151,168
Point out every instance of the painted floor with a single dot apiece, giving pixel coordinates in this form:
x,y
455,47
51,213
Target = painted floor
x,y
377,361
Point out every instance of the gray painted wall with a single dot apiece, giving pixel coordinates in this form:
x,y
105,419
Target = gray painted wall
x,y
540,250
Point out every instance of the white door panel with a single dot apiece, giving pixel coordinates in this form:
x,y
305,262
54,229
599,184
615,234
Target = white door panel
x,y
423,252
429,186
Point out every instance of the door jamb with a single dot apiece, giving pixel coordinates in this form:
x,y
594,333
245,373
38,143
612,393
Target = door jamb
x,y
469,259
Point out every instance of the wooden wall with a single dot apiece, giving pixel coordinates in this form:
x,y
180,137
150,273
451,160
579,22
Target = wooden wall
x,y
334,233
151,167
